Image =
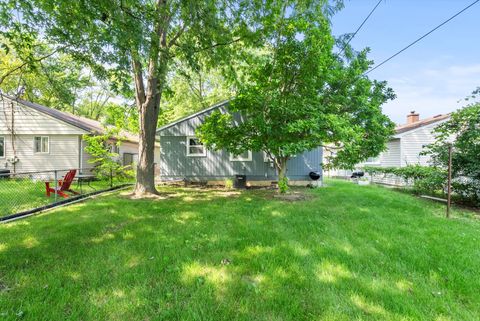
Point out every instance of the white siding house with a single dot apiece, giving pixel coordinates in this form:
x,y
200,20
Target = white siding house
x,y
404,148
413,142
38,138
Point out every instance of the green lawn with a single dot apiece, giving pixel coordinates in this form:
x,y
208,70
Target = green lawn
x,y
348,252
17,195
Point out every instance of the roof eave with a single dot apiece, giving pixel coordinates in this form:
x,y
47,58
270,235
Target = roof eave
x,y
403,131
217,105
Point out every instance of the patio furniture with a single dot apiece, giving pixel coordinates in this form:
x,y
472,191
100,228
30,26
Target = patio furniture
x,y
85,178
63,185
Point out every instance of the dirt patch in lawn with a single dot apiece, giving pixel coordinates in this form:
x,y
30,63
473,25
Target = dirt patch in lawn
x,y
160,196
293,196
226,193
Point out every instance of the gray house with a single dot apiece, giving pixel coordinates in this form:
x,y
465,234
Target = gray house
x,y
183,157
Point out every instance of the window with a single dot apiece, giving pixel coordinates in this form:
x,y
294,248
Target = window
x,y
195,147
41,144
242,157
113,148
2,147
372,160
130,159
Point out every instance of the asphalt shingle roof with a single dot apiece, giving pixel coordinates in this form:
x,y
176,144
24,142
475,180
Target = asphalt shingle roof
x,y
90,125
424,122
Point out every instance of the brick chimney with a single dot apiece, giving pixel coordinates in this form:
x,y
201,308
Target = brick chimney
x,y
413,117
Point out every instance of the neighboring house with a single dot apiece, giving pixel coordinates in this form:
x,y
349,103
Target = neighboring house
x,y
405,147
183,157
37,138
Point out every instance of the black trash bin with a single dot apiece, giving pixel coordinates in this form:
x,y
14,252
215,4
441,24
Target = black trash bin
x,y
4,173
240,181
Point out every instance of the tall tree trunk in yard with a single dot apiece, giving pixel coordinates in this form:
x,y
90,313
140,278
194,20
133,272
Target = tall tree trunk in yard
x,y
148,100
146,148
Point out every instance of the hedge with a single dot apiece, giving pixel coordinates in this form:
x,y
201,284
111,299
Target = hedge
x,y
431,180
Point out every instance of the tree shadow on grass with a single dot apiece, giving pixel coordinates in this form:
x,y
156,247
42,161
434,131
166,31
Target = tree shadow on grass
x,y
218,258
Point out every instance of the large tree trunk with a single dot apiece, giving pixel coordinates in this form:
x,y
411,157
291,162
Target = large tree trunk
x,y
148,102
146,148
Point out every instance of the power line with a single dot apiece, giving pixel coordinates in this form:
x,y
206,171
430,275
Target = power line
x,y
361,25
425,35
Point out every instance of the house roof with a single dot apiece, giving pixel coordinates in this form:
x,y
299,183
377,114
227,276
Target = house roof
x,y
424,122
400,129
217,105
89,125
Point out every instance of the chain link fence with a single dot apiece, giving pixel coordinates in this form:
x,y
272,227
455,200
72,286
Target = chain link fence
x,y
28,192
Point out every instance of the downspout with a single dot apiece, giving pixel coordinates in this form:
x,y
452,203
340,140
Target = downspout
x,y
12,131
80,154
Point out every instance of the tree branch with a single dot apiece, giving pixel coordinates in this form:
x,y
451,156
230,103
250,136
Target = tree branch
x,y
177,35
138,78
10,72
158,41
219,44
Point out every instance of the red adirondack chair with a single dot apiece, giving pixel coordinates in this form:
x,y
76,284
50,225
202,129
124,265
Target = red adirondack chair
x,y
63,185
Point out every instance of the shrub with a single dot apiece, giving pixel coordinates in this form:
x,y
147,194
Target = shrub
x,y
424,179
283,185
107,163
228,183
462,133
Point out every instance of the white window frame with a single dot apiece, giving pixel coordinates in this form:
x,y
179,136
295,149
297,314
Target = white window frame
x,y
248,159
41,138
4,147
203,154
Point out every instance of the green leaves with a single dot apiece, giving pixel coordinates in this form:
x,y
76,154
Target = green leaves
x,y
462,131
426,179
102,149
296,94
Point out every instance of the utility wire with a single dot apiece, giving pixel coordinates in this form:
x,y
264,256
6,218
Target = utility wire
x,y
425,35
360,27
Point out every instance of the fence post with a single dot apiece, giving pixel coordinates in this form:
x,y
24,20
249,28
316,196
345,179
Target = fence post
x,y
449,181
56,185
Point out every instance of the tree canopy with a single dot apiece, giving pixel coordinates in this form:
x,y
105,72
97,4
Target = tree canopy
x,y
52,81
462,132
284,51
190,90
298,94
134,44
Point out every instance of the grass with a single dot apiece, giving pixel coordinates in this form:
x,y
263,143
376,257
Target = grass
x,y
17,195
347,252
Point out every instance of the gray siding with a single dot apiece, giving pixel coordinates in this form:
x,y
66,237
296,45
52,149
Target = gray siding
x,y
187,127
175,164
299,167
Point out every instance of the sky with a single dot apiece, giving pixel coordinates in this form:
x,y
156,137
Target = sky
x,y
435,75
